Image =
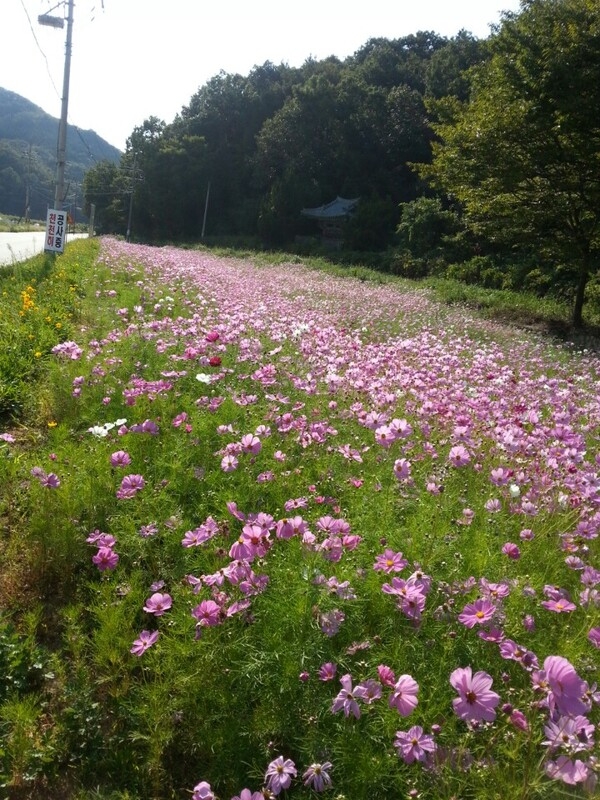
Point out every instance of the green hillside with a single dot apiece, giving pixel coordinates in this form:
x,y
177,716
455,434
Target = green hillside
x,y
28,137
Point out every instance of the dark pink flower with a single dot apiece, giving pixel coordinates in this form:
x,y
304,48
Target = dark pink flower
x,y
476,700
386,675
519,720
511,550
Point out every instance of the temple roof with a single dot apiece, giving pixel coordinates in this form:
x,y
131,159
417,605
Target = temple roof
x,y
340,207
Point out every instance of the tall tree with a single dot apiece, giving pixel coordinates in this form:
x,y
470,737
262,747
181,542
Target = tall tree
x,y
523,154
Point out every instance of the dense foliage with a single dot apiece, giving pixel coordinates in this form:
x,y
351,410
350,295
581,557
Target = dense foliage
x,y
282,138
522,155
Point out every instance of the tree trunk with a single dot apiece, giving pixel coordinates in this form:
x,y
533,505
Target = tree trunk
x,y
584,274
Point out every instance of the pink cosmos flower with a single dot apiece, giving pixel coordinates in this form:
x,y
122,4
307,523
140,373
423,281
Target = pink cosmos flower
x,y
511,550
567,770
404,697
389,561
130,486
247,794
50,481
105,559
386,675
566,687
330,621
120,459
288,527
519,720
385,436
202,791
476,700
511,651
158,603
279,774
251,444
368,691
345,700
402,469
561,605
327,672
459,456
477,613
414,745
317,776
229,463
208,613
568,733
145,640
594,636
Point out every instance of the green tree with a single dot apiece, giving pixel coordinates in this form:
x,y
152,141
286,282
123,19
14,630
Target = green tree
x,y
104,185
448,69
423,225
523,155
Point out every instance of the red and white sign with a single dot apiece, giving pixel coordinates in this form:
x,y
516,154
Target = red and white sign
x,y
56,230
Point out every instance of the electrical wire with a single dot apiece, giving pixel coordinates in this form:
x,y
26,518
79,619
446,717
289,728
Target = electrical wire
x,y
40,49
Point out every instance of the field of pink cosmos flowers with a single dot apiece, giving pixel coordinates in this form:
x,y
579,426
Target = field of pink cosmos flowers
x,y
313,534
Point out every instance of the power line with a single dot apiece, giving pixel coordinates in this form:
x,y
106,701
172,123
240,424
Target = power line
x,y
31,28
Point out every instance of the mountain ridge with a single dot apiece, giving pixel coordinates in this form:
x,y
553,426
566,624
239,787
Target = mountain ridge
x,y
28,141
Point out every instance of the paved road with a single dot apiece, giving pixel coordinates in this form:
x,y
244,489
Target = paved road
x,y
21,246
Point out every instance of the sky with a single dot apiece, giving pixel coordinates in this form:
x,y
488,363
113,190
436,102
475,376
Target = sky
x,y
133,59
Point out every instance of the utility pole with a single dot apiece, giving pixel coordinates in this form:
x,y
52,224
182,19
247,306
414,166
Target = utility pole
x,y
28,188
130,216
61,155
205,210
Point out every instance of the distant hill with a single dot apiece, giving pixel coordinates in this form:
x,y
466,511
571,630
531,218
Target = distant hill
x,y
28,139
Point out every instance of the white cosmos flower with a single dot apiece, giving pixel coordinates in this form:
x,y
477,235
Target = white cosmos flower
x,y
99,431
203,377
